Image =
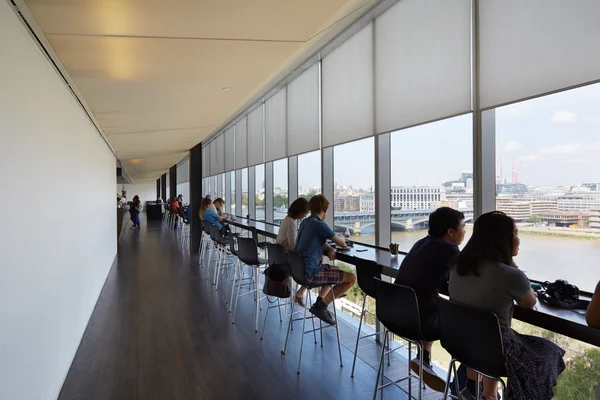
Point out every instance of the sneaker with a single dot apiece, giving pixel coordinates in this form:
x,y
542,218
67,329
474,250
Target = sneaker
x,y
323,314
430,378
466,394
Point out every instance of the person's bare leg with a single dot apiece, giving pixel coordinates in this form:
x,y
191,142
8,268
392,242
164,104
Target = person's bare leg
x,y
348,280
490,388
324,291
300,296
427,345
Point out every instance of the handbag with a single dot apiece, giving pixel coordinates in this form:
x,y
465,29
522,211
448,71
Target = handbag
x,y
561,294
278,282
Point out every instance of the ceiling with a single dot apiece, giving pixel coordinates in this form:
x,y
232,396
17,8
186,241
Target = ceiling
x,y
152,72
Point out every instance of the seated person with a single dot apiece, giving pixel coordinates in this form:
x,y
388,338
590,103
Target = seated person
x,y
425,269
288,231
174,205
487,277
592,315
209,215
219,203
310,243
180,200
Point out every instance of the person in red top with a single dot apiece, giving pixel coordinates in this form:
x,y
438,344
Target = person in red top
x,y
174,205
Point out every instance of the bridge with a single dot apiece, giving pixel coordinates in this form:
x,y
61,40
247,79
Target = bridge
x,y
357,221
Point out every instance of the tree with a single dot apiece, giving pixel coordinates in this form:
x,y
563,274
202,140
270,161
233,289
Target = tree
x,y
581,376
534,219
279,200
309,195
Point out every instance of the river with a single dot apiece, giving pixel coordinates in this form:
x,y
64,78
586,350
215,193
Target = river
x,y
541,257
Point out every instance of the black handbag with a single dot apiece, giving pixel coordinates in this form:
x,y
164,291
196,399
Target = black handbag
x,y
278,282
561,294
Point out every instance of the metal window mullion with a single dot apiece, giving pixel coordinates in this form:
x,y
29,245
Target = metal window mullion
x,y
269,192
252,192
327,181
292,179
238,192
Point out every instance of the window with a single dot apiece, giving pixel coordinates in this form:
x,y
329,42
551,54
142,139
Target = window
x,y
259,192
232,196
223,195
244,192
548,180
431,166
280,190
309,174
354,197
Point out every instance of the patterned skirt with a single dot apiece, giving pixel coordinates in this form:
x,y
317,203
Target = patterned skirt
x,y
533,365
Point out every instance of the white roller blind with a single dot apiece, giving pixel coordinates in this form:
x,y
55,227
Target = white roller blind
x,y
303,112
528,48
183,171
255,136
213,157
275,126
229,140
205,161
220,144
422,62
347,83
241,144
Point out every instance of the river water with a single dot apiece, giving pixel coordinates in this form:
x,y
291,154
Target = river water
x,y
541,257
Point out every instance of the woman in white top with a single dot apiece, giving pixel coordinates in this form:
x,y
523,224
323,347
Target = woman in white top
x,y
288,231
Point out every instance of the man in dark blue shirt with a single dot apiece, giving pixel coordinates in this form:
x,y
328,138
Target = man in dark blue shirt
x,y
311,243
425,269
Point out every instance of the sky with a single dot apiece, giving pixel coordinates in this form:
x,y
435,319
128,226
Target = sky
x,y
553,140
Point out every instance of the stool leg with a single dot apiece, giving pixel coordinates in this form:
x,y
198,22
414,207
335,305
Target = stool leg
x,y
312,319
288,329
257,295
362,314
385,335
421,382
239,290
279,308
265,320
302,339
235,270
337,329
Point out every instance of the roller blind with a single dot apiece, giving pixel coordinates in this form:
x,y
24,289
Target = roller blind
x,y
220,145
255,136
183,171
213,157
347,82
303,112
422,62
528,48
229,141
241,144
275,126
205,161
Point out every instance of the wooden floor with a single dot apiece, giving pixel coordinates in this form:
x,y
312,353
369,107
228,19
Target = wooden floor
x,y
161,331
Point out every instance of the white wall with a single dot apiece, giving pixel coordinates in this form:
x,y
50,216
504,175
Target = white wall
x,y
146,191
57,236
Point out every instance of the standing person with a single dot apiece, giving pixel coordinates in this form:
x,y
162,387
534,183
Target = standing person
x,y
426,269
487,277
288,231
219,203
135,207
311,243
180,200
174,205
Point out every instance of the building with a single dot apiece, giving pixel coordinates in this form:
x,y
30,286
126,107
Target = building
x,y
578,202
367,202
521,209
417,197
595,218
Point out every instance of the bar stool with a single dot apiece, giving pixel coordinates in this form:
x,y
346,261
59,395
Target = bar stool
x,y
479,346
221,244
366,272
398,310
276,256
248,255
296,266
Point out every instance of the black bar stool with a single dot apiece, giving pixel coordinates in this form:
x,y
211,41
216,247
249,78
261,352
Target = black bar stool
x,y
221,244
296,266
248,255
398,310
276,256
366,272
478,346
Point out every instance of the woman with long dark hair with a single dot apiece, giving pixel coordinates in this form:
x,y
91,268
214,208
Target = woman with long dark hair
x,y
487,277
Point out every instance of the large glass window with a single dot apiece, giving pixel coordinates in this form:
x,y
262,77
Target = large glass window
x,y
232,196
548,180
309,174
354,196
244,192
223,193
280,190
431,166
259,192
